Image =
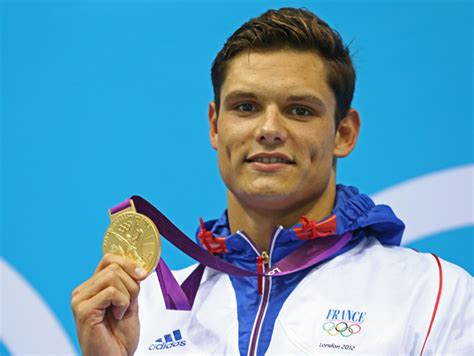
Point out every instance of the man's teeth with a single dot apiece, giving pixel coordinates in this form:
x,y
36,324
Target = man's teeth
x,y
270,160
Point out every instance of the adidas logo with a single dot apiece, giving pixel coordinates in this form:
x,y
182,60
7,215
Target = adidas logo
x,y
168,341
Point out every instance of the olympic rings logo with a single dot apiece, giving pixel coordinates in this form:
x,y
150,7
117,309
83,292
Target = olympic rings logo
x,y
342,328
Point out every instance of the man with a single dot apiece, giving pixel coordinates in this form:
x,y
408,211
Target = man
x,y
280,119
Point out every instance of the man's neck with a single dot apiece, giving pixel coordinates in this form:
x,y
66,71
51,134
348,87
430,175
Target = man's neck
x,y
260,223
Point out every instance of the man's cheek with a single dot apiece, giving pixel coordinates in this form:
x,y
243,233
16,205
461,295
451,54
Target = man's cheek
x,y
317,152
233,150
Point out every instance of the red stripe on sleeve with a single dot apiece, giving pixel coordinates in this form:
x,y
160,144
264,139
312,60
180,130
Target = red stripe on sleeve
x,y
438,297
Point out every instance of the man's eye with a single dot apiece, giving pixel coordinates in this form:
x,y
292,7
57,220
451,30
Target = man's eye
x,y
245,107
300,111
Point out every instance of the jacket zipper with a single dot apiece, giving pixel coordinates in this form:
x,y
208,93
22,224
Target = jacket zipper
x,y
265,283
262,261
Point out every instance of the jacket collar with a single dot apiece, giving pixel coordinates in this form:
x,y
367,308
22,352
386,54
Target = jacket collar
x,y
354,212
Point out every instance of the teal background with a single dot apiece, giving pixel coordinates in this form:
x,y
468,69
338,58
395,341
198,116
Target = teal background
x,y
101,100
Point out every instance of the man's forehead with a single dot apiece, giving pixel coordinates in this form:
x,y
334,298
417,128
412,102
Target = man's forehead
x,y
298,73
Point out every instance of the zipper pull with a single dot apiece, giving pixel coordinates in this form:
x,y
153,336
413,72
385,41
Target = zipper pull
x,y
261,260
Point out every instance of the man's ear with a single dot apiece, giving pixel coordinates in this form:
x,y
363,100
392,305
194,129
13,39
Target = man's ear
x,y
212,114
347,133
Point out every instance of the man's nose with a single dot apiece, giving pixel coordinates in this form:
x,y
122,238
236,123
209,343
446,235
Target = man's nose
x,y
271,129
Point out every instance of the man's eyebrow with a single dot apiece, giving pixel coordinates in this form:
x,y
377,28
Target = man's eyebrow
x,y
308,98
239,94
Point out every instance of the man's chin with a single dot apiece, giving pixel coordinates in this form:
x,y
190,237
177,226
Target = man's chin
x,y
269,198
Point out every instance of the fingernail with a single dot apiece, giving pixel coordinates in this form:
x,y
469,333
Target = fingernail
x,y
140,272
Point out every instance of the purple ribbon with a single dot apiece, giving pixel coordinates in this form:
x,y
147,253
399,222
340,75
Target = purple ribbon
x,y
181,297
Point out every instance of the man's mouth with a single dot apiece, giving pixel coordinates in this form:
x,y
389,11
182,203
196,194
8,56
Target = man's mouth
x,y
270,159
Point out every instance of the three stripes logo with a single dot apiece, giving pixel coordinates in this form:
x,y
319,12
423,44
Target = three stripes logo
x,y
168,341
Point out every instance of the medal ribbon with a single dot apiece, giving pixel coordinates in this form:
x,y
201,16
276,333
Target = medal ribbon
x,y
181,297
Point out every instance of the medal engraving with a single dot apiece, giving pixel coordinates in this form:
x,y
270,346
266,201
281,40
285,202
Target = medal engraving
x,y
134,236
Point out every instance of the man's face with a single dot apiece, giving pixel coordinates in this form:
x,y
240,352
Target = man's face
x,y
275,133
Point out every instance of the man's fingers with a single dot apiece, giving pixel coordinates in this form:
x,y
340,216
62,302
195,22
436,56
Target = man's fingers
x,y
129,266
119,311
112,275
110,272
94,308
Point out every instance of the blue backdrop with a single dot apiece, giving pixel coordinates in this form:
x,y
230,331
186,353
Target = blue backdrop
x,y
102,100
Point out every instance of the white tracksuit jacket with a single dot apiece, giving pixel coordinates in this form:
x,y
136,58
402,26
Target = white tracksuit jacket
x,y
372,299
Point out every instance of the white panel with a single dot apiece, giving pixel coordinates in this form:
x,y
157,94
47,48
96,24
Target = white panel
x,y
28,326
433,203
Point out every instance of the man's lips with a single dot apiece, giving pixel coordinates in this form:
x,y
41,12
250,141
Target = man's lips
x,y
270,158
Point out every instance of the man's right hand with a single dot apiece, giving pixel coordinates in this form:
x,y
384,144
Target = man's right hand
x,y
106,308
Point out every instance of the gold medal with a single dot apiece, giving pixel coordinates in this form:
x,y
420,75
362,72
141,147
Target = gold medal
x,y
135,236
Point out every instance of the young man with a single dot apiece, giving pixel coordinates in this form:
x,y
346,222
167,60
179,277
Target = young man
x,y
281,117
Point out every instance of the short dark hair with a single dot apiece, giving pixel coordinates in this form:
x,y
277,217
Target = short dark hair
x,y
294,29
